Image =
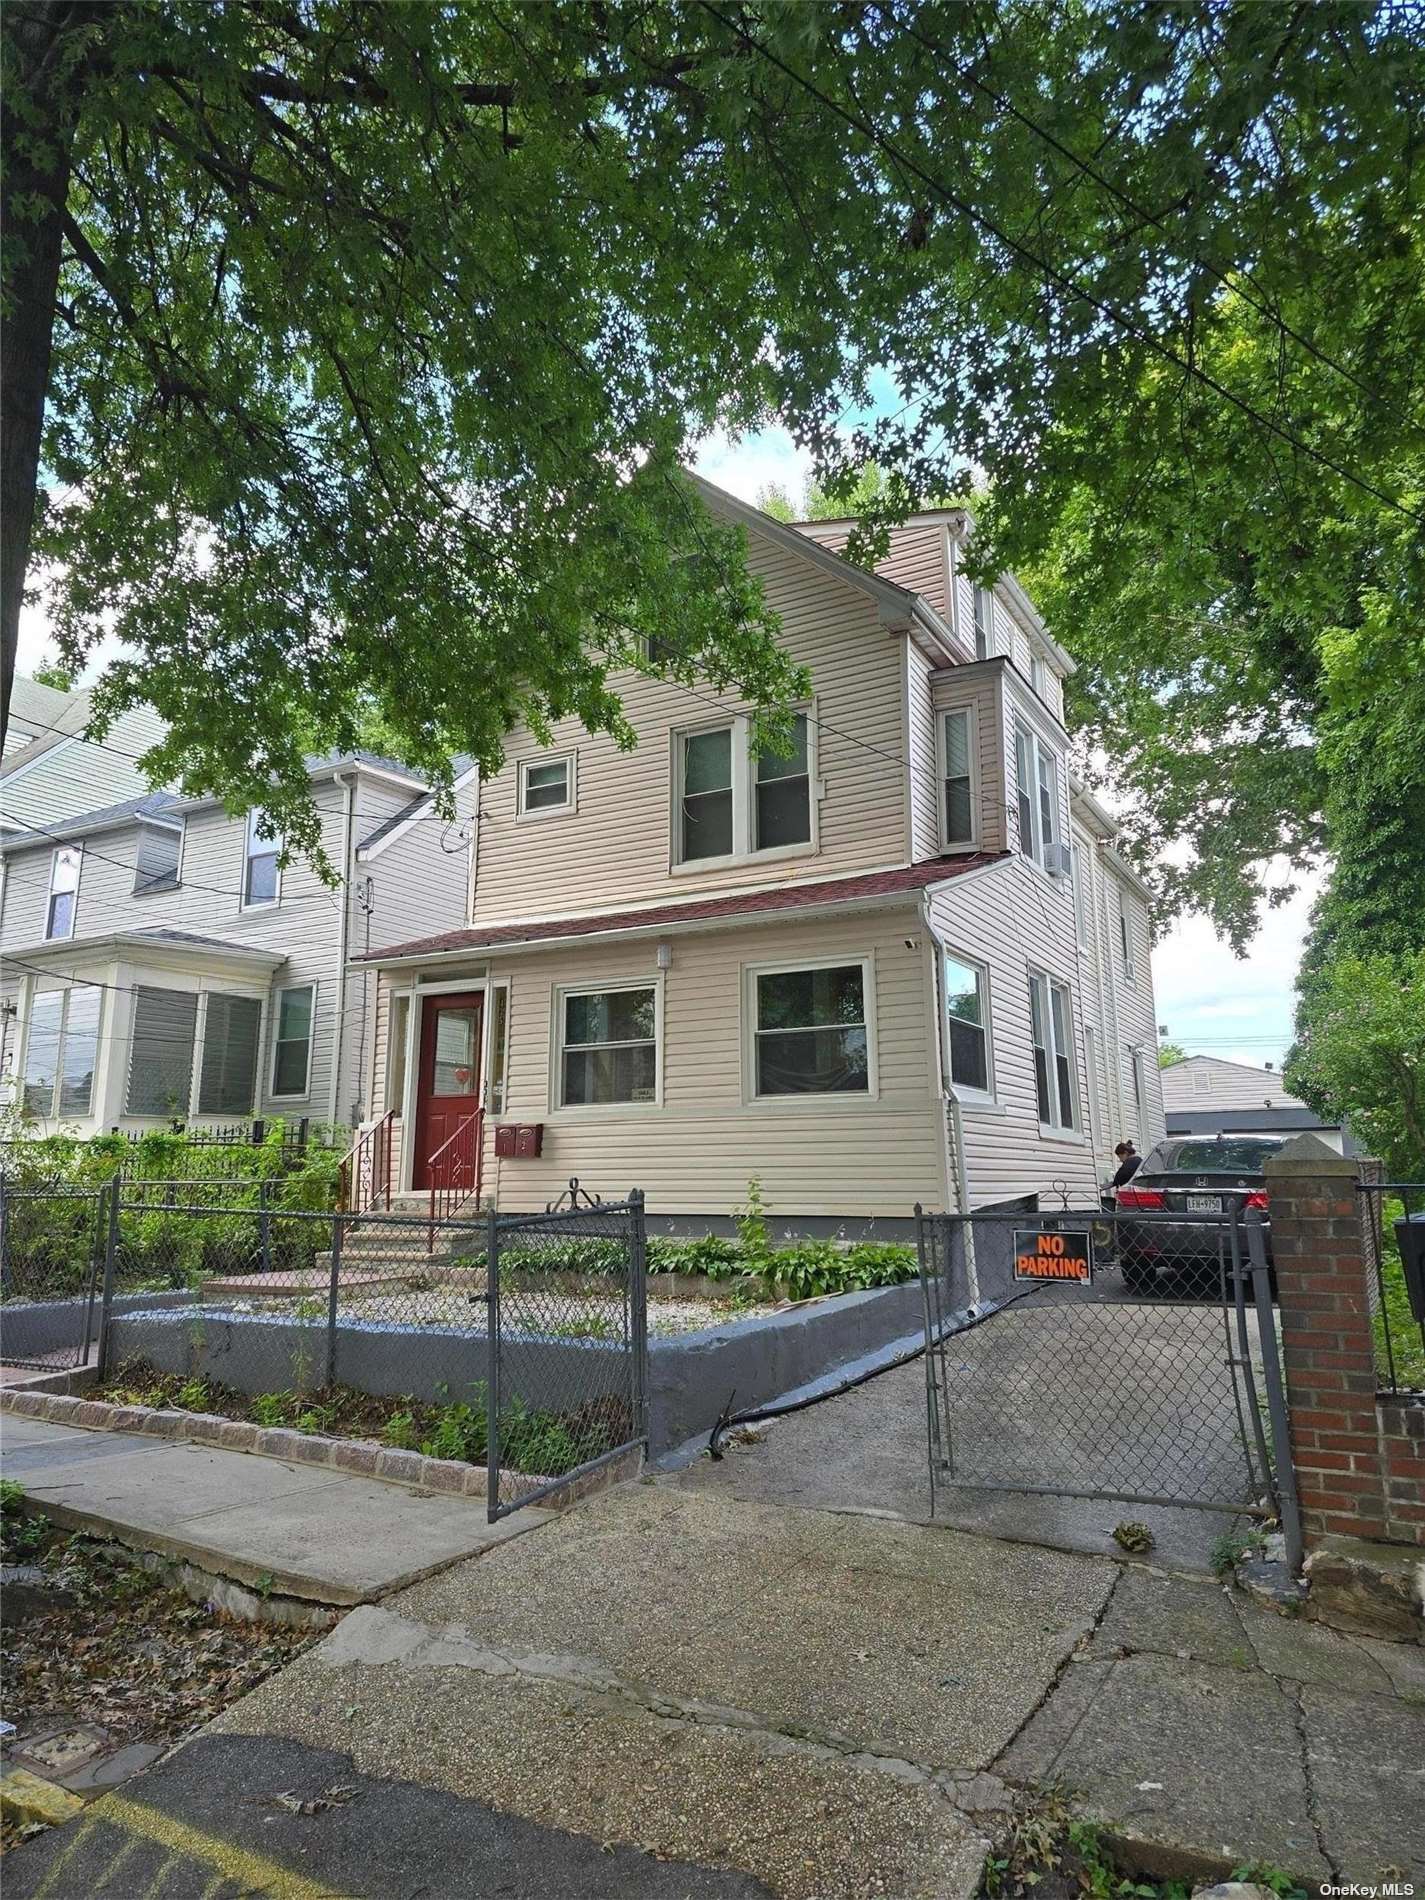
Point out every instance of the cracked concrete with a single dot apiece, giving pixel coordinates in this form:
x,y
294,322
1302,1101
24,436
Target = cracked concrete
x,y
1195,1720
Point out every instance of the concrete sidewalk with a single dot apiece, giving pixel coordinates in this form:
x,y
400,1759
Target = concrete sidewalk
x,y
799,1703
317,1534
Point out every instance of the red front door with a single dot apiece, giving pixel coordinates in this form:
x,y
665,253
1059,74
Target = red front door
x,y
448,1088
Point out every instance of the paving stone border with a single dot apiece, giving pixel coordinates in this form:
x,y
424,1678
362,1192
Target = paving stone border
x,y
363,1458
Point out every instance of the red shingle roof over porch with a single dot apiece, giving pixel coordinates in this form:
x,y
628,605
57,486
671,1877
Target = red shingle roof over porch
x,y
867,887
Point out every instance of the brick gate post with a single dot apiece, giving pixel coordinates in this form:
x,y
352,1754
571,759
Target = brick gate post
x,y
1328,1350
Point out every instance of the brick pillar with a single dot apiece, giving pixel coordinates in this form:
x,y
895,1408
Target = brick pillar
x,y
1328,1351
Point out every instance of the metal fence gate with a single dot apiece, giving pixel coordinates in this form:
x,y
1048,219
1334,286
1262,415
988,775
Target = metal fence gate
x,y
1102,1355
51,1257
568,1313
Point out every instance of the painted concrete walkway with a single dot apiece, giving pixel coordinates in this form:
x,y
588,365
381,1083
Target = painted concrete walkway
x,y
291,1530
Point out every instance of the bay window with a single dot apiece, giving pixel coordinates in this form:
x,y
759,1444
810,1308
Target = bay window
x,y
968,1014
731,802
608,1047
810,1031
63,892
165,1032
1051,1032
957,775
227,1074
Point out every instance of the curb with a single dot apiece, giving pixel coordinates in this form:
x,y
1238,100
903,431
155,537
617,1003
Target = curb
x,y
363,1458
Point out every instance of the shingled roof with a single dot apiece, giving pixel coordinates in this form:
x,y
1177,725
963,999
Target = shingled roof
x,y
865,888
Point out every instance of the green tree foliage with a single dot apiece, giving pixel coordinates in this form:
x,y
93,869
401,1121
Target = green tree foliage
x,y
51,673
371,337
1364,1055
1169,1053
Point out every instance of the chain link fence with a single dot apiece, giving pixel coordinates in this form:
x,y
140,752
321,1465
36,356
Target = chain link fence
x,y
51,1254
515,1342
1098,1355
567,1297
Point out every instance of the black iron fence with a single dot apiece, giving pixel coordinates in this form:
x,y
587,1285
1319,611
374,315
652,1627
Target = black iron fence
x,y
1399,1331
1094,1354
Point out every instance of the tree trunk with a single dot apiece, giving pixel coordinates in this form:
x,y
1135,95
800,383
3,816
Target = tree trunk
x,y
42,112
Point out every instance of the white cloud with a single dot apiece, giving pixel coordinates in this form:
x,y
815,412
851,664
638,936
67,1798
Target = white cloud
x,y
755,462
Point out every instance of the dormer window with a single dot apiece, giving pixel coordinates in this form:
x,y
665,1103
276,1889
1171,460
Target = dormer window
x,y
262,873
156,861
1038,676
63,892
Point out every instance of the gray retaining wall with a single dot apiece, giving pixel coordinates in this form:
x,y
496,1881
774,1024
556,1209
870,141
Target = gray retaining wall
x,y
690,1375
30,1329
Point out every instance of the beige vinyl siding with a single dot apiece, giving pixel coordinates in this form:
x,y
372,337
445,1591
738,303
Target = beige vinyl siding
x,y
1232,1086
696,1151
925,818
614,848
918,558
1010,918
980,687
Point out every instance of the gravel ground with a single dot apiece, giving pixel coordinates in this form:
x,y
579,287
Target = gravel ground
x,y
568,1315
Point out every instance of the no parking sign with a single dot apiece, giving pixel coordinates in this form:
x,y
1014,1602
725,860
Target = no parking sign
x,y
1053,1254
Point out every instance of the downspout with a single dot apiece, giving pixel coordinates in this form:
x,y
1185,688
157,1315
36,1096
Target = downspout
x,y
339,1026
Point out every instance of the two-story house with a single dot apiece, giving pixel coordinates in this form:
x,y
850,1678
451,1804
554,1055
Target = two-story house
x,y
159,961
899,963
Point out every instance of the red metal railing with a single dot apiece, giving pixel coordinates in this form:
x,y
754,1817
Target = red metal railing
x,y
455,1170
366,1170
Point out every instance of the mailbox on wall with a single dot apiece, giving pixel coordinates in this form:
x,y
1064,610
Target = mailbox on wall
x,y
519,1141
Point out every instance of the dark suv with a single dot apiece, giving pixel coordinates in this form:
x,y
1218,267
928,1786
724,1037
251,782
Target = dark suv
x,y
1189,1175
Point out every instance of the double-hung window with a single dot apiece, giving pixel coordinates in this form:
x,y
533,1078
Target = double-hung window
x,y
1052,1034
967,1008
1125,935
957,740
1036,772
262,875
1079,871
61,1051
227,1073
984,622
63,892
810,1031
546,785
732,802
608,1047
156,862
165,1033
292,1040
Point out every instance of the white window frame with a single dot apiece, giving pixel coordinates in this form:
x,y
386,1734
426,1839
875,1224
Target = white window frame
x,y
200,1047
497,1081
1128,961
594,986
302,1094
1056,1129
963,1091
274,844
21,1055
982,614
1037,752
1039,676
570,803
744,797
840,1100
75,851
970,715
1080,878
156,890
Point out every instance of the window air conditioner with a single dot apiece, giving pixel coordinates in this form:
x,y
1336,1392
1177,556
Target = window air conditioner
x,y
1057,861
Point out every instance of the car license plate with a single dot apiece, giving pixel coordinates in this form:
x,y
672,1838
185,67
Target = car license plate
x,y
1204,1203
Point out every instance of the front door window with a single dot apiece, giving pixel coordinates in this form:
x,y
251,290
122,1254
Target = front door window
x,y
448,1091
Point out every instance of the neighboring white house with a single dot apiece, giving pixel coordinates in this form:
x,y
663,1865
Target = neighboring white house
x,y
51,772
902,963
159,962
1207,1095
